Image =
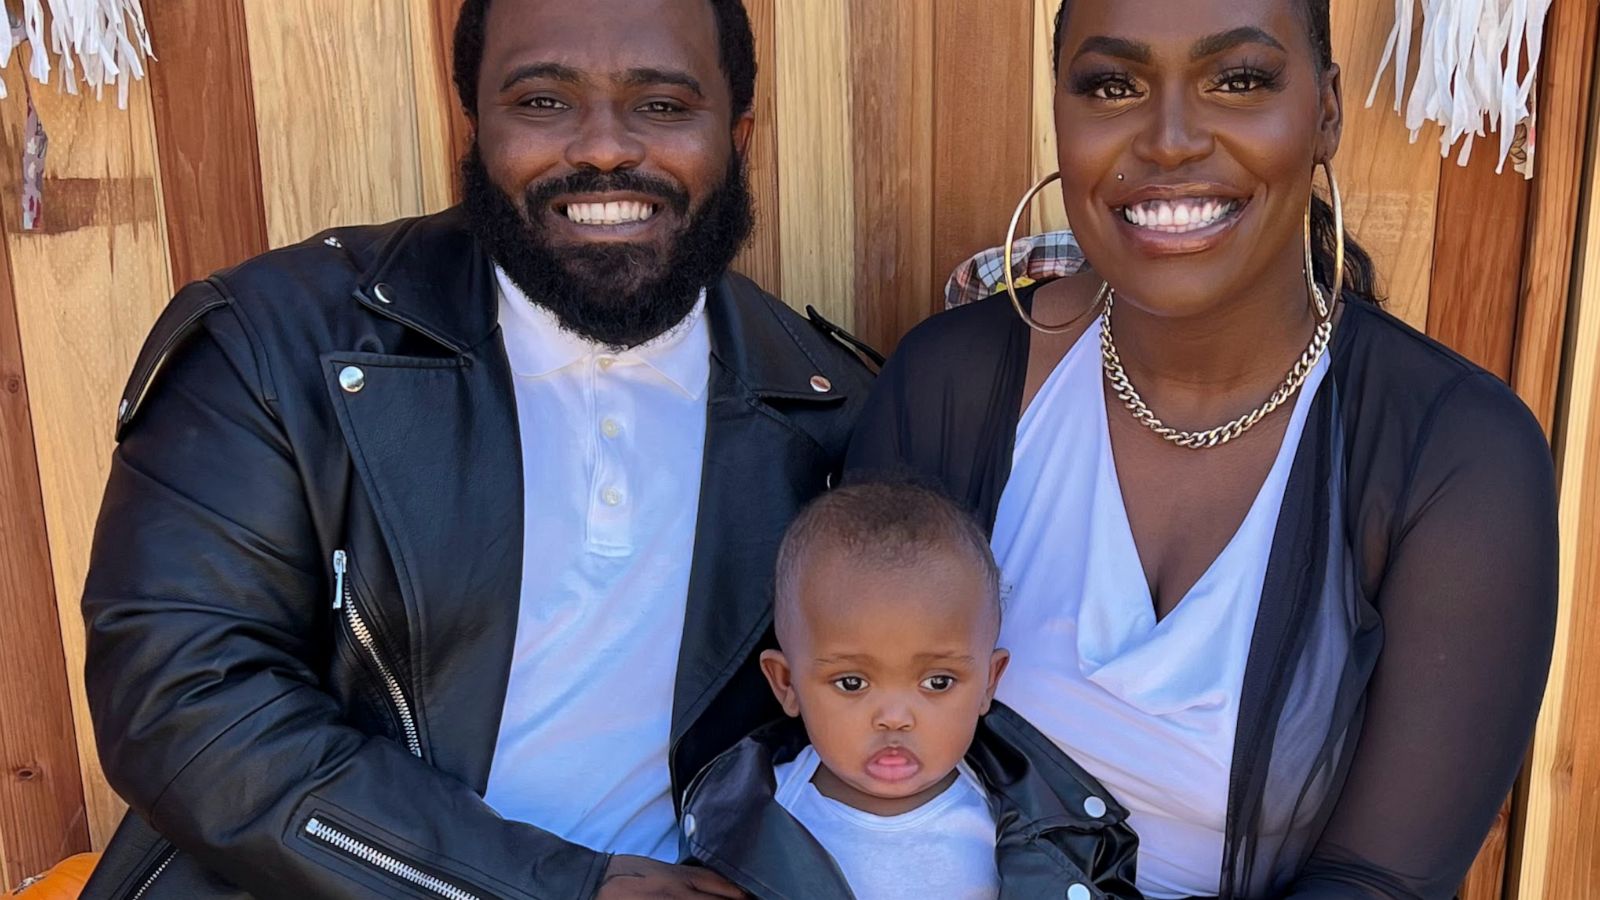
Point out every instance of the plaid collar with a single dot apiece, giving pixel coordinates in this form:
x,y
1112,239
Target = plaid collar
x,y
1038,258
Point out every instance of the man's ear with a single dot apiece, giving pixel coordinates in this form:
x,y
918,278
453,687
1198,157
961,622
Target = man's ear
x,y
775,666
744,129
997,668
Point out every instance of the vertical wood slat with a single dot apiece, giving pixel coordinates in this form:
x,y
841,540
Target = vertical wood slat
x,y
42,815
892,124
454,122
1480,233
1557,839
983,153
816,172
1049,211
762,258
205,121
435,113
1563,97
89,283
1390,184
337,115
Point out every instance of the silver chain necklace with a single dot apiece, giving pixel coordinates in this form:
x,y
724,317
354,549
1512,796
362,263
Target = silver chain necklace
x,y
1222,434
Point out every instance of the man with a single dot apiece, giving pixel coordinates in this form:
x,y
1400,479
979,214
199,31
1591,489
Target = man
x,y
436,555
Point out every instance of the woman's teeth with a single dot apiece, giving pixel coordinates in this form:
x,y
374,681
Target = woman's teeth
x,y
1179,216
609,213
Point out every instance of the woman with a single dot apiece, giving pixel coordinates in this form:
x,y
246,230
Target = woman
x,y
1282,571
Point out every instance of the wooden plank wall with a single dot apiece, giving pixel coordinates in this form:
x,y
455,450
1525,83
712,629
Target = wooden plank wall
x,y
893,141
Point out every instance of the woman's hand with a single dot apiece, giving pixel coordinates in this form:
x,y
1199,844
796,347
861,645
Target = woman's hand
x,y
629,877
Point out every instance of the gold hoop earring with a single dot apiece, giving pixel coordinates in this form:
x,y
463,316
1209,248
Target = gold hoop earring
x,y
1010,279
1322,306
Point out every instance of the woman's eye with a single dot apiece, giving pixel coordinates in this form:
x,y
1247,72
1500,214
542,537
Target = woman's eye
x,y
1105,86
851,684
1243,81
938,683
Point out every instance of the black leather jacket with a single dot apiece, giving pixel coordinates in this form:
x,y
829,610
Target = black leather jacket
x,y
1049,845
305,580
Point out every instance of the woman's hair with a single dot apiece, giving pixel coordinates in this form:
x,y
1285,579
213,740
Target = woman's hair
x,y
1360,276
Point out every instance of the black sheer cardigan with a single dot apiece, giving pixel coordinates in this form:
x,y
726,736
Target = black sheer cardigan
x,y
1407,619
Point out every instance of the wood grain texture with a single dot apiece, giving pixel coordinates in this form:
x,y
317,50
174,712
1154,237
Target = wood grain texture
x,y
1049,211
891,62
438,116
88,287
762,258
983,153
337,114
42,815
445,14
1563,97
816,172
1390,185
1479,236
206,129
1558,846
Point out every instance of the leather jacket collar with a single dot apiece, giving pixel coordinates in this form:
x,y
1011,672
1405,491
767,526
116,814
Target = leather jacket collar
x,y
1041,800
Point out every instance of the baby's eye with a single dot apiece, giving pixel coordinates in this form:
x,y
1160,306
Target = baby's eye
x,y
850,684
938,683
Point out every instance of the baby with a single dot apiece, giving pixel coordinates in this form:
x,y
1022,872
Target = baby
x,y
906,779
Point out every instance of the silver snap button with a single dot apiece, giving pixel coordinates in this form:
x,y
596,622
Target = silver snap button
x,y
1079,892
1094,807
122,409
352,379
381,291
688,825
332,242
820,384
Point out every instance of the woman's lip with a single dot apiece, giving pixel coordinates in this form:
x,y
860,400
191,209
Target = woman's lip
x,y
893,764
1161,243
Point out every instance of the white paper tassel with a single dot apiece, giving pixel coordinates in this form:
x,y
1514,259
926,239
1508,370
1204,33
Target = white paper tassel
x,y
1469,75
101,42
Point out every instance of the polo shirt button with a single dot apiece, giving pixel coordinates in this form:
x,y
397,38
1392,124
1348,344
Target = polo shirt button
x,y
610,428
612,497
606,362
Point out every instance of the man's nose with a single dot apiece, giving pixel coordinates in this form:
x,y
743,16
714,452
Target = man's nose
x,y
604,143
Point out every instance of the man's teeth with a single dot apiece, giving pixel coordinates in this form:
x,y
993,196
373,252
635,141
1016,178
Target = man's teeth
x,y
1179,216
609,213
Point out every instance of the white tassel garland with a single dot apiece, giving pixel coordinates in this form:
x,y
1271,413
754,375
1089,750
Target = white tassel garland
x,y
97,42
1475,73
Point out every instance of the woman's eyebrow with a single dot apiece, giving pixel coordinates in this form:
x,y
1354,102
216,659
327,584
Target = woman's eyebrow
x,y
1122,48
1227,40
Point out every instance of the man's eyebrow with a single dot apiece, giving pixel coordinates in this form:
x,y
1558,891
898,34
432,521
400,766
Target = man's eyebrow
x,y
1122,48
1227,40
647,77
553,71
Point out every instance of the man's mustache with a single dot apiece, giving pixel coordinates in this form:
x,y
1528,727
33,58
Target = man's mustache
x,y
541,193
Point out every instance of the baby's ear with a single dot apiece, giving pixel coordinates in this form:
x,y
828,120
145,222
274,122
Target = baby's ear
x,y
775,666
997,668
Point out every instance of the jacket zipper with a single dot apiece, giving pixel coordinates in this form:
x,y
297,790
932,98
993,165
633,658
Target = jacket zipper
x,y
344,599
382,861
150,881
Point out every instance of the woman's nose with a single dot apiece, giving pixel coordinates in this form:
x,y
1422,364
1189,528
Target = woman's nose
x,y
1175,133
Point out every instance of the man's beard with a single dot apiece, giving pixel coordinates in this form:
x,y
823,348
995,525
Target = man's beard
x,y
618,295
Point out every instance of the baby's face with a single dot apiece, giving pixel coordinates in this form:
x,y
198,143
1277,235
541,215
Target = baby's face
x,y
890,669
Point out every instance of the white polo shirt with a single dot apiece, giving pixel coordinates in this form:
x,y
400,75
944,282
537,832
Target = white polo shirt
x,y
612,446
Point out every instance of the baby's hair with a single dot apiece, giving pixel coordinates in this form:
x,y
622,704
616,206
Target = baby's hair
x,y
893,524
